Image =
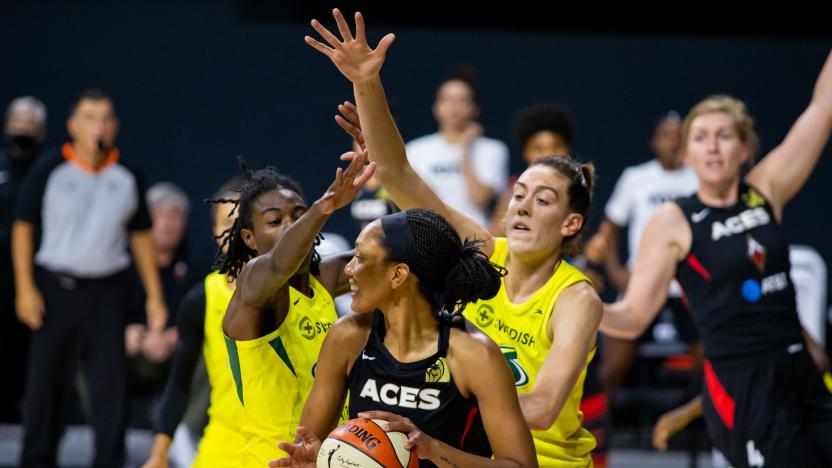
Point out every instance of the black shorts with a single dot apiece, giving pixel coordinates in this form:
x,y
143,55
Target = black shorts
x,y
774,412
682,321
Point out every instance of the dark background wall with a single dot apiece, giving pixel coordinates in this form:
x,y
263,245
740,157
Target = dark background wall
x,y
197,84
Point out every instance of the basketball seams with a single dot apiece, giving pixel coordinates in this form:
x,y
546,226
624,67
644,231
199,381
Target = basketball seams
x,y
389,441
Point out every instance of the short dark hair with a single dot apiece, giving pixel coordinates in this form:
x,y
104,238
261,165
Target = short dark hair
x,y
91,94
554,118
465,74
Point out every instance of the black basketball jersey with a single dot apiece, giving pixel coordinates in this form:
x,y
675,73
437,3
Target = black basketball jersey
x,y
736,278
423,391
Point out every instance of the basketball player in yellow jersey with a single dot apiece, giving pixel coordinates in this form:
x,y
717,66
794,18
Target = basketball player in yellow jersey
x,y
547,211
282,308
199,324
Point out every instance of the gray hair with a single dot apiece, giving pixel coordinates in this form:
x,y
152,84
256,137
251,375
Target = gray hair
x,y
167,194
30,106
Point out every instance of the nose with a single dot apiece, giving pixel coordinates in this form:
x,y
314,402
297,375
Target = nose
x,y
348,268
713,144
523,207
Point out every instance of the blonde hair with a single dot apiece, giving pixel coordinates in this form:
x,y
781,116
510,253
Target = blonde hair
x,y
736,110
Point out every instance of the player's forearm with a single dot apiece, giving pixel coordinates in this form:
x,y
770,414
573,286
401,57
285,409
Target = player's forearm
x,y
383,140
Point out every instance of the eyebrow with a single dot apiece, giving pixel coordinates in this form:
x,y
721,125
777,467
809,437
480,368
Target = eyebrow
x,y
538,188
299,206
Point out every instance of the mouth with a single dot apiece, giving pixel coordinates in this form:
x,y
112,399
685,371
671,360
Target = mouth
x,y
353,289
714,164
519,226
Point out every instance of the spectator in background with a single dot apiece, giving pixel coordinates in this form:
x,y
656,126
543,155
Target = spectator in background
x,y
24,131
200,338
72,292
464,168
640,190
542,130
149,353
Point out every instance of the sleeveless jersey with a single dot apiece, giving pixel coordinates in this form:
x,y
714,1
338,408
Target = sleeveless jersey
x,y
736,278
520,332
273,374
423,391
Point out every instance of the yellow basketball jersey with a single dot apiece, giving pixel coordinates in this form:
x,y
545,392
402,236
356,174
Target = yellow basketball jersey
x,y
520,332
221,440
274,374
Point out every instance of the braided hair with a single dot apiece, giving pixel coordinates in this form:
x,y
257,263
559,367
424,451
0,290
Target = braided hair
x,y
451,272
254,184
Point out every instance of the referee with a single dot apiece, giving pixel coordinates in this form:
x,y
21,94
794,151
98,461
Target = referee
x,y
71,292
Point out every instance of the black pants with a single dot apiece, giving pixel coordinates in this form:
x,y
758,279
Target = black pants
x,y
775,412
14,341
84,324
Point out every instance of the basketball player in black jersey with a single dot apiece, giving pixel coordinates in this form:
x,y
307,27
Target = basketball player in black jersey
x,y
764,401
404,359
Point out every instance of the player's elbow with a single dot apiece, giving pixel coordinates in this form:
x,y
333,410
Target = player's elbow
x,y
540,412
541,421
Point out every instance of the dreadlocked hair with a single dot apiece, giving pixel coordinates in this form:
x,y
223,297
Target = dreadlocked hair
x,y
451,272
254,184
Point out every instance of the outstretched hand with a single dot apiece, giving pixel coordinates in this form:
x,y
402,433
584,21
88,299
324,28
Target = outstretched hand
x,y
348,120
347,182
351,55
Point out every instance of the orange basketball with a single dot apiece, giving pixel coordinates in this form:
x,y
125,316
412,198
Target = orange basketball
x,y
362,443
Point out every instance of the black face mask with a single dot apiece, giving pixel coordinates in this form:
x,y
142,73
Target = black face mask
x,y
26,145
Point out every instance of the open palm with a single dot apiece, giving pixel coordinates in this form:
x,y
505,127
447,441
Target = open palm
x,y
347,183
352,55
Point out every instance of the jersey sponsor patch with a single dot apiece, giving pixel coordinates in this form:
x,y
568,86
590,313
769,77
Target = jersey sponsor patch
x,y
400,395
752,290
485,316
518,336
309,329
753,198
438,372
745,221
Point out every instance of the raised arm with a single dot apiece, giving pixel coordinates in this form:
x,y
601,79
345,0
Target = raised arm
x,y
361,65
665,241
782,173
266,275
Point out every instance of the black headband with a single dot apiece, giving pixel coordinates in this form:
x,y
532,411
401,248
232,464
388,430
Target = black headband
x,y
400,238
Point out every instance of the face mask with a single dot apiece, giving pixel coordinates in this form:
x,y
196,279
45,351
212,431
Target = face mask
x,y
27,145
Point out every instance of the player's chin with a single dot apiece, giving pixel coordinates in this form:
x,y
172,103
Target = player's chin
x,y
358,305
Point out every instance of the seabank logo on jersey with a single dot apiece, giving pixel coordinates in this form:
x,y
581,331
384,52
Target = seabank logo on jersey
x,y
520,376
485,315
438,372
309,329
402,396
752,291
745,221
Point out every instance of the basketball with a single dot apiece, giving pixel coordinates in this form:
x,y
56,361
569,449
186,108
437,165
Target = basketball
x,y
362,443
